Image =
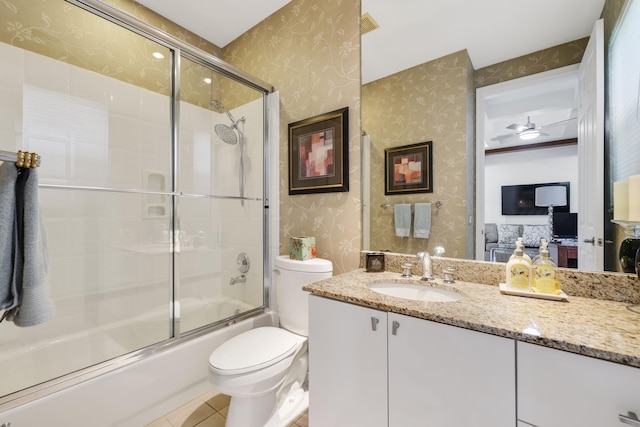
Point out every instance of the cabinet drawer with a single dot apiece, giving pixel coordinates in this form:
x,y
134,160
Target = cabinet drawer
x,y
557,388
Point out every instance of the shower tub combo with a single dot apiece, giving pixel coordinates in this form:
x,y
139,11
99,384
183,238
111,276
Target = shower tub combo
x,y
148,199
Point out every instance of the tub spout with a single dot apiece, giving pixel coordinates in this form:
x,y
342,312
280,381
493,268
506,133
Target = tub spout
x,y
238,279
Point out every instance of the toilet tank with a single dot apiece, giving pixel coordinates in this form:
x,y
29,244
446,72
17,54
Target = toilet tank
x,y
292,302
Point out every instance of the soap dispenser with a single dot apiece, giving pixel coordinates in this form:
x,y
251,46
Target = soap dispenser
x,y
519,271
545,279
519,243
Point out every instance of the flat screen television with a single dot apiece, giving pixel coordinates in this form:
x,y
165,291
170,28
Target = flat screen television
x,y
521,199
565,225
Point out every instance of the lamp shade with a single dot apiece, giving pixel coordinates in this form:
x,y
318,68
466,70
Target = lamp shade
x,y
551,195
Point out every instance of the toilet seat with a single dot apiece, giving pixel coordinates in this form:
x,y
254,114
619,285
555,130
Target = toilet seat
x,y
254,350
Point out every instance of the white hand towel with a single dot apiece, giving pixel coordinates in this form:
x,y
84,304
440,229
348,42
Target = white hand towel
x,y
422,221
402,218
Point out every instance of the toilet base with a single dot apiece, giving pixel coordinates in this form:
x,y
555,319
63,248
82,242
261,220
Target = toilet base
x,y
250,411
290,409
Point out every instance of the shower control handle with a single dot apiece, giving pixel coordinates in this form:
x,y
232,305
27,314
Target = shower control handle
x,y
243,262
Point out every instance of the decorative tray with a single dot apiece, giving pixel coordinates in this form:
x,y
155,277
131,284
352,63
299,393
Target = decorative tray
x,y
561,297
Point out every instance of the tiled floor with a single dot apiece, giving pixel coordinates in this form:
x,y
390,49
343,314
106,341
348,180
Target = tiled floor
x,y
207,410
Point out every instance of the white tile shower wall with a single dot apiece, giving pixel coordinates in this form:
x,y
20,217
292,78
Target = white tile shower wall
x,y
211,166
105,265
11,81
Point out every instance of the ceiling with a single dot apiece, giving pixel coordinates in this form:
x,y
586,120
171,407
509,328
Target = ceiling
x,y
413,32
550,103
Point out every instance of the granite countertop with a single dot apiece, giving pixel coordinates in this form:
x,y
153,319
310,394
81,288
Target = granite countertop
x,y
603,329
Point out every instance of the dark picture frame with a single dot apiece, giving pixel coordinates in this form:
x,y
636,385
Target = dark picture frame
x,y
319,154
409,169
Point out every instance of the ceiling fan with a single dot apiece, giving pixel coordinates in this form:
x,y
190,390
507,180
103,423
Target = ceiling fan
x,y
528,130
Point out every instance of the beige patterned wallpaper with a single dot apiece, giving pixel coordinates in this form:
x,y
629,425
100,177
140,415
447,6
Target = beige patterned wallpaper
x,y
310,51
158,21
532,63
61,31
424,103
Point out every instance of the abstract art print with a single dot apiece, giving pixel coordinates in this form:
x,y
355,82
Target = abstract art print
x,y
318,154
408,169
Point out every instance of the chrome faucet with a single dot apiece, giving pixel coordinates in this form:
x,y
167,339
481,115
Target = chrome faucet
x,y
238,279
427,270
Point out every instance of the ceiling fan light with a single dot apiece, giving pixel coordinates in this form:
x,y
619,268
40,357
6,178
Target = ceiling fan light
x,y
529,134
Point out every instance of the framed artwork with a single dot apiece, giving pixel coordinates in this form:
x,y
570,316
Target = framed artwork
x,y
409,169
319,154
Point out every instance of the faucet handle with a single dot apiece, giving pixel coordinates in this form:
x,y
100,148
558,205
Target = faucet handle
x,y
406,269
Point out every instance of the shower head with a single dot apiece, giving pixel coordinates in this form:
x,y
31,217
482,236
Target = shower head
x,y
219,106
226,133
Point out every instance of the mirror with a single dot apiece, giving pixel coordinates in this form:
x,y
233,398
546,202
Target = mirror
x,y
450,220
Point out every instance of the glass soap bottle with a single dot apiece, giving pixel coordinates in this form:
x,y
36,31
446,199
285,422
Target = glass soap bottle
x,y
519,271
545,280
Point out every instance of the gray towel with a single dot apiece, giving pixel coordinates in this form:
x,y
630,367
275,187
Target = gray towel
x,y
8,235
422,220
402,218
30,284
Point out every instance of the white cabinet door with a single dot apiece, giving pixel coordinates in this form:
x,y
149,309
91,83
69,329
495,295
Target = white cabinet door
x,y
347,365
556,388
441,375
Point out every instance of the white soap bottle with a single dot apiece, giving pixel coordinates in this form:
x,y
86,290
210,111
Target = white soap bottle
x,y
519,271
545,280
519,243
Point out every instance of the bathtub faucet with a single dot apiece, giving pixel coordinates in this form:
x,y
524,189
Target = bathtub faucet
x,y
238,279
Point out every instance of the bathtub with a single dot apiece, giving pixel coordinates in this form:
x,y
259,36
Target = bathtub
x,y
133,394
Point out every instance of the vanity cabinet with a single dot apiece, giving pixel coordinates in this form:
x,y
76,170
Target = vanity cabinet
x,y
372,368
347,365
557,388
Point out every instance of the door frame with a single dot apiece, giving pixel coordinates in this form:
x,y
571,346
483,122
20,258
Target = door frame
x,y
482,94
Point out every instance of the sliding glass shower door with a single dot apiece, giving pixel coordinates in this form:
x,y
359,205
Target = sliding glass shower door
x,y
220,204
155,224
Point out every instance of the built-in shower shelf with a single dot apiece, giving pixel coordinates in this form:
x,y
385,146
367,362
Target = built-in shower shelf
x,y
155,205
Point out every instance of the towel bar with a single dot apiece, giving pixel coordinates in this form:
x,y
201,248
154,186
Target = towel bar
x,y
437,204
22,159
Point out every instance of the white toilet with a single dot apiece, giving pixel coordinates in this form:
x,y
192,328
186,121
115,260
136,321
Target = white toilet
x,y
263,369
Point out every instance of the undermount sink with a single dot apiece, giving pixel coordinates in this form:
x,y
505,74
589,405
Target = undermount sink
x,y
415,292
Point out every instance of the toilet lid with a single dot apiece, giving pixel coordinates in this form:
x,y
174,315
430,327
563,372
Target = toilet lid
x,y
253,350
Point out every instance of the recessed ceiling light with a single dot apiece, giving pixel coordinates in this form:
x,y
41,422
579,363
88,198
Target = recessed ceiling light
x,y
158,55
207,80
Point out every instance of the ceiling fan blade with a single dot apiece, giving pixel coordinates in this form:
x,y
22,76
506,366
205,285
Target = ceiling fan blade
x,y
499,138
561,122
517,127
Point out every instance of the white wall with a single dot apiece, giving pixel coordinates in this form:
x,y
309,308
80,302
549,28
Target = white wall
x,y
557,164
